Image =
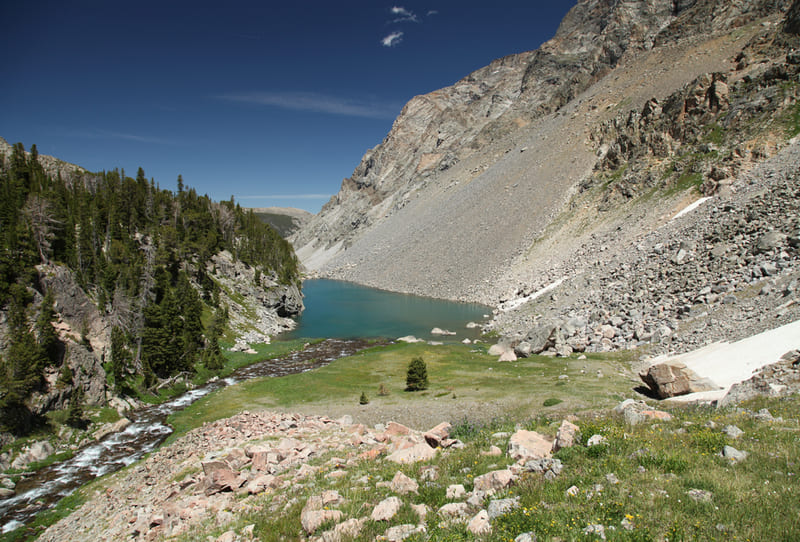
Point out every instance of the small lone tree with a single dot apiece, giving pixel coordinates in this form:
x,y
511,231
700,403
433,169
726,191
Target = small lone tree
x,y
363,400
75,411
417,375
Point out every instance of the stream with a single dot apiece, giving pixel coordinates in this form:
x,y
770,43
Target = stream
x,y
45,487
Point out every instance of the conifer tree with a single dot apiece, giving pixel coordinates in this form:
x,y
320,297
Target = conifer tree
x,y
417,375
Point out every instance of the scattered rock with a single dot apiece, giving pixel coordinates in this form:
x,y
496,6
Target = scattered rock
x,y
498,507
596,440
453,510
732,431
401,532
699,495
734,455
526,445
492,481
386,509
455,491
479,525
414,454
567,435
402,484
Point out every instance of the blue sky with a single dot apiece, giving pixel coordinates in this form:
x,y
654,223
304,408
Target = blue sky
x,y
271,103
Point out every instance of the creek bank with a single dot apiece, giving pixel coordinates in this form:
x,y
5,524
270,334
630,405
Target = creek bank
x,y
40,489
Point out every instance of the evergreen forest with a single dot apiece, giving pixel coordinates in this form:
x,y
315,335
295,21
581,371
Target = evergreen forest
x,y
140,252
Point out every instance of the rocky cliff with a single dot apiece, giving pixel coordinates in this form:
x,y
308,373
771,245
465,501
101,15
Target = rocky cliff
x,y
505,182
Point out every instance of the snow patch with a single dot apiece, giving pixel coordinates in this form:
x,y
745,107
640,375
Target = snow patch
x,y
518,302
729,363
691,207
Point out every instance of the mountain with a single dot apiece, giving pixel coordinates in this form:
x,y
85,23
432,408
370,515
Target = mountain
x,y
544,165
285,220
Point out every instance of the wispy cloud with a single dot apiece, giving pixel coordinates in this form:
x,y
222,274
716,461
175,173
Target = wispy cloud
x,y
287,196
392,39
315,102
403,15
109,134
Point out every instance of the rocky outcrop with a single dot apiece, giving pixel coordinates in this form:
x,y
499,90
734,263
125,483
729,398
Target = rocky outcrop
x,y
260,308
51,165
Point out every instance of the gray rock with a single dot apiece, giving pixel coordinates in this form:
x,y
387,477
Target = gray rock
x,y
769,241
699,495
732,431
542,337
734,455
596,440
523,349
526,537
498,507
764,415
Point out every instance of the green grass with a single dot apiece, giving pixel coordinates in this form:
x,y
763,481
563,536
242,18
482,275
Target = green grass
x,y
460,370
793,121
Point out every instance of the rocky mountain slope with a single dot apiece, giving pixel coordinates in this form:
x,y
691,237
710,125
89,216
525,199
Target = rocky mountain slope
x,y
531,169
286,220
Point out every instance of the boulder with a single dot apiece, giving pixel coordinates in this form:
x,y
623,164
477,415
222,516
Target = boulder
x,y
673,379
453,510
492,481
312,519
402,484
418,452
499,507
401,532
770,241
437,435
479,525
733,455
315,512
508,355
567,435
386,509
542,337
455,491
526,445
523,349
347,530
41,450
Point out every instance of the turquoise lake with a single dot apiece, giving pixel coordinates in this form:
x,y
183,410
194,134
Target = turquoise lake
x,y
345,310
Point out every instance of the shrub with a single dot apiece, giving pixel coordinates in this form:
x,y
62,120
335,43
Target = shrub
x,y
363,400
551,401
382,391
417,375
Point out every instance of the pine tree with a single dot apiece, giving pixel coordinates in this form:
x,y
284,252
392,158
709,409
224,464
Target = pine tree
x,y
75,411
45,332
417,375
119,357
